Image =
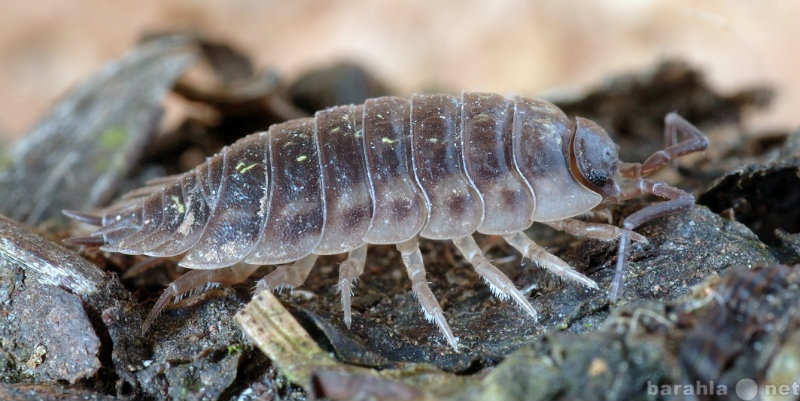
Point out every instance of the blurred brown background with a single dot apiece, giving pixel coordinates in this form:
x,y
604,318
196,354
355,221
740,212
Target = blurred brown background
x,y
505,46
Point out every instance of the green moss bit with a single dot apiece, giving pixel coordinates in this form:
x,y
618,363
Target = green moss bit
x,y
113,138
176,202
241,168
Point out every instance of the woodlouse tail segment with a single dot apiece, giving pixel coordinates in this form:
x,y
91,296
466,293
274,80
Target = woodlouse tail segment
x,y
412,258
635,185
196,281
88,218
113,227
91,241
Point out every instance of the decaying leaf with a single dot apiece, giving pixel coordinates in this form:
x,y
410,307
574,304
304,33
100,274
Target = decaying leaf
x,y
74,157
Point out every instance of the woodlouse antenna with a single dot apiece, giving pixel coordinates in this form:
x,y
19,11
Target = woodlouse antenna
x,y
635,185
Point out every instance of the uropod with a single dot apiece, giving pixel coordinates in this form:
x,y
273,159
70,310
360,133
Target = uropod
x,y
390,171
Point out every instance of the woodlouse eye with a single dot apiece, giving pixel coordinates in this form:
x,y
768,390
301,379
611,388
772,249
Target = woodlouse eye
x,y
598,177
595,153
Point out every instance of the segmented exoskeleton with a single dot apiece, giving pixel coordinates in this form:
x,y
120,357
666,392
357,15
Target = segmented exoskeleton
x,y
388,172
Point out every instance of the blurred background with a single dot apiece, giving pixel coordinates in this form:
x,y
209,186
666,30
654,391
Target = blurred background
x,y
504,46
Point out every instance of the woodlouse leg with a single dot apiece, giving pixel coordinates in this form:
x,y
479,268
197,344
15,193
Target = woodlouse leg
x,y
288,276
600,214
412,258
540,256
603,232
141,267
502,286
195,280
677,200
349,271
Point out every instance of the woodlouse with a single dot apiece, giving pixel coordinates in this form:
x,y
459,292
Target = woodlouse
x,y
388,172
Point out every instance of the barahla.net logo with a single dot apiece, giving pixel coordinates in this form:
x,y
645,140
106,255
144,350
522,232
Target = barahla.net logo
x,y
746,389
696,388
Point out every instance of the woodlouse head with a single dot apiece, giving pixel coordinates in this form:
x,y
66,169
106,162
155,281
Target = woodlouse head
x,y
594,157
